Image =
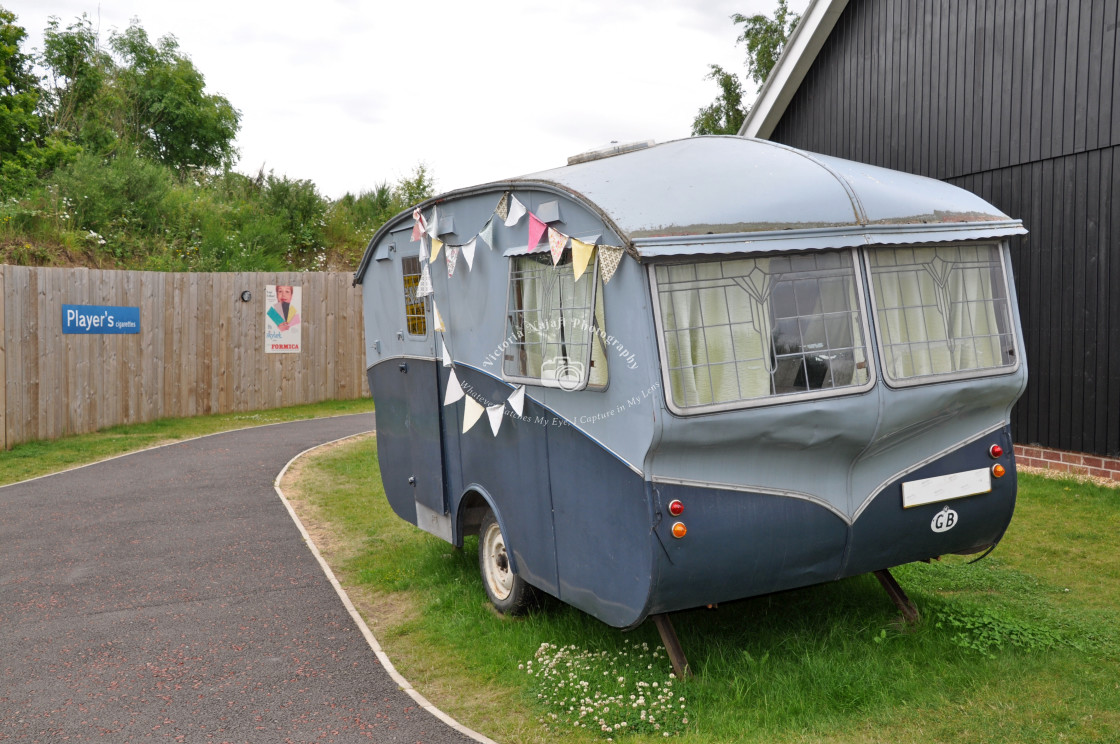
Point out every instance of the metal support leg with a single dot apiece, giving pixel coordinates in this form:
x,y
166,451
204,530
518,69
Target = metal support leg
x,y
901,601
672,645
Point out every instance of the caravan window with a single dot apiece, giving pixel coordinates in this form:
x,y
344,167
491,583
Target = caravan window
x,y
753,330
554,326
415,308
941,310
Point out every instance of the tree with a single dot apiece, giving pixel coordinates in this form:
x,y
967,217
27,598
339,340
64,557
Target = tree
x,y
168,111
765,39
726,114
149,97
19,97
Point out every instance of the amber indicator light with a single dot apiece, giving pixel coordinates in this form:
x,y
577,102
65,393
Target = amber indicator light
x,y
679,530
676,508
998,470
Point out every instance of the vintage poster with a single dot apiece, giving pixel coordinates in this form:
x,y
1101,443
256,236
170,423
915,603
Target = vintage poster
x,y
282,326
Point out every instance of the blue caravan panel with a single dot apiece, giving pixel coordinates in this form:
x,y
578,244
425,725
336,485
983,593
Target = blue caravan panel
x,y
761,543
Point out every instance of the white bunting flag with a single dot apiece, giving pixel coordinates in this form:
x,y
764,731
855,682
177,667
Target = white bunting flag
x,y
516,400
471,414
516,211
487,233
437,319
446,357
424,286
468,253
496,414
454,389
433,224
557,241
423,249
452,259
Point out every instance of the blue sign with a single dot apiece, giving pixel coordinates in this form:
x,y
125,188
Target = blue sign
x,y
100,319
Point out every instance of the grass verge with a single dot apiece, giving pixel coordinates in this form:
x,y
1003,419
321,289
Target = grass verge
x,y
32,459
1021,647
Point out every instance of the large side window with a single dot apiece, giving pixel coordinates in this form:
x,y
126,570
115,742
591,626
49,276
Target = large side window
x,y
941,310
415,308
554,325
746,330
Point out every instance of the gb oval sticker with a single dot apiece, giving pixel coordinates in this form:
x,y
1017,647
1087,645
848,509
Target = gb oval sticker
x,y
944,520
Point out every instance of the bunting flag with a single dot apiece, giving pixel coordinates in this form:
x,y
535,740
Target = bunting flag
x,y
536,230
581,256
609,257
502,210
433,225
437,319
556,243
423,249
516,400
487,233
496,414
454,389
516,211
471,413
452,259
436,245
468,253
424,286
447,359
418,226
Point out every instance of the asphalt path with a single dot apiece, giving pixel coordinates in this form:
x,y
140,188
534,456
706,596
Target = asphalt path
x,y
168,595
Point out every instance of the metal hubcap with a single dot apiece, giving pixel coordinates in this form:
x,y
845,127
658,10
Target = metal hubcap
x,y
498,576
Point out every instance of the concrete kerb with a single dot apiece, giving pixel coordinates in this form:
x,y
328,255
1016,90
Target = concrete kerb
x,y
403,683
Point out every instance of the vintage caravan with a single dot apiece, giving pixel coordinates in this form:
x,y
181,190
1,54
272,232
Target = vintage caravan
x,y
696,371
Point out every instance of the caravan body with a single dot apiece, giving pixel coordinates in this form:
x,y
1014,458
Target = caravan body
x,y
777,369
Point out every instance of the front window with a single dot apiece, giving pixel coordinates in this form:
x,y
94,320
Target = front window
x,y
941,310
415,308
752,329
554,325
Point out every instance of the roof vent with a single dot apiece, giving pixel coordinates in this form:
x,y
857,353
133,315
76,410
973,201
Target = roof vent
x,y
609,151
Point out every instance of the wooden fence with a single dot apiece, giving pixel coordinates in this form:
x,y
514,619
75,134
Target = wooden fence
x,y
200,348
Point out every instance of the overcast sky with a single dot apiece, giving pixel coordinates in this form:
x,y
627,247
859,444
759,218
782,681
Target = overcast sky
x,y
349,93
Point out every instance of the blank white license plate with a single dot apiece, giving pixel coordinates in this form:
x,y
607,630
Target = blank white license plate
x,y
946,487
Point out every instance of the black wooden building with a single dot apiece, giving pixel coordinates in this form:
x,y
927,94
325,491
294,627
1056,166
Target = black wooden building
x,y
1017,101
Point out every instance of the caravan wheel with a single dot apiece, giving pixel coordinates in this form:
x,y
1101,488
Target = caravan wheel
x,y
507,591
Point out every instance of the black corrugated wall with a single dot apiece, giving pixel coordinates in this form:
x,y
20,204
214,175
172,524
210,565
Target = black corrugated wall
x,y
1019,102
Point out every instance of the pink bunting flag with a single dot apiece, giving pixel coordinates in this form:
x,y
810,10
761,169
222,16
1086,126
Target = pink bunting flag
x,y
452,259
536,230
418,226
557,241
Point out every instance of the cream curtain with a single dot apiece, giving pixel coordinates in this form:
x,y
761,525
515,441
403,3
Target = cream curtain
x,y
939,309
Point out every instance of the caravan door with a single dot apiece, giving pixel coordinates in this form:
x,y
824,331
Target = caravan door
x,y
408,411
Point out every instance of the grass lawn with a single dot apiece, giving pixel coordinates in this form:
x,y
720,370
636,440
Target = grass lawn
x,y
1023,646
39,458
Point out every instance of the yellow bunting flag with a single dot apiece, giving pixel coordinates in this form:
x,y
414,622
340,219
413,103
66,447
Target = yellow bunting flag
x,y
436,245
581,256
472,413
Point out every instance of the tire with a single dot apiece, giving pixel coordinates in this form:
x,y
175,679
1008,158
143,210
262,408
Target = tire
x,y
507,591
